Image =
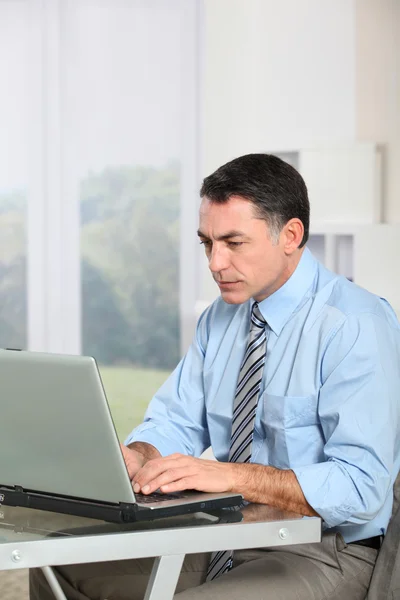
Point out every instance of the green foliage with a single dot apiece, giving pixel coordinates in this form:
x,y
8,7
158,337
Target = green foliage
x,y
130,266
13,304
12,272
130,251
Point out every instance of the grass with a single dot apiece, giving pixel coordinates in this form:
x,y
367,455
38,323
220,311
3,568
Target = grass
x,y
129,390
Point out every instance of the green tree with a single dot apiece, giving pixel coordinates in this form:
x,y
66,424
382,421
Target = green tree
x,y
130,266
130,238
13,305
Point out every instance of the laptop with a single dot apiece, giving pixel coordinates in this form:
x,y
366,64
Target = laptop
x,y
59,450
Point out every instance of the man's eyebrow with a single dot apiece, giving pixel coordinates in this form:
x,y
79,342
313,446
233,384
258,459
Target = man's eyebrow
x,y
226,236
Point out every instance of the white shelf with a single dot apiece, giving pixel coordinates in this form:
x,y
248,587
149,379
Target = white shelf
x,y
332,228
344,182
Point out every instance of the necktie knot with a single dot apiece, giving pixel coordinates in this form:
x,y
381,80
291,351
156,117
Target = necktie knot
x,y
257,320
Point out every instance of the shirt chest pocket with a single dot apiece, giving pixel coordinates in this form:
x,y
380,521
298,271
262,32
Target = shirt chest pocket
x,y
289,411
290,428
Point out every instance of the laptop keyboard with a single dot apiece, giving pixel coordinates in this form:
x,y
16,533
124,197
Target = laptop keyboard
x,y
158,497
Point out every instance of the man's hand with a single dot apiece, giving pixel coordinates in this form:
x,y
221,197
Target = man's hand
x,y
257,483
133,460
136,455
178,472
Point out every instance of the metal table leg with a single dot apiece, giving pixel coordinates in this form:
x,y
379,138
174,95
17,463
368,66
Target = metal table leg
x,y
53,583
164,577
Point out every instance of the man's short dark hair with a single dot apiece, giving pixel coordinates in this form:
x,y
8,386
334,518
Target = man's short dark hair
x,y
275,188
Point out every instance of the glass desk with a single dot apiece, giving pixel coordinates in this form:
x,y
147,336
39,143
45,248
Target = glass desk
x,y
32,538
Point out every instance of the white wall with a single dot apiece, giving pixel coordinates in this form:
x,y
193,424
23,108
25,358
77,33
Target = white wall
x,y
378,90
376,261
278,76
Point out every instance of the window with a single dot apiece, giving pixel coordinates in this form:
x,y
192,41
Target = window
x,y
109,186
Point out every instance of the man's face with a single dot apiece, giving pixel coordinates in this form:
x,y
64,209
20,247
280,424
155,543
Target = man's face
x,y
243,259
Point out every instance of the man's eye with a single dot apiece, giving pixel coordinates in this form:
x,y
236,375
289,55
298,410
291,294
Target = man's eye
x,y
234,244
205,243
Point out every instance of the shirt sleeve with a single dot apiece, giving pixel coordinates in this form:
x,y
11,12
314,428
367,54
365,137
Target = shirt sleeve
x,y
175,420
359,415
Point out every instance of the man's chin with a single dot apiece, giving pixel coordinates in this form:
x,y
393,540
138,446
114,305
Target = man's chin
x,y
234,297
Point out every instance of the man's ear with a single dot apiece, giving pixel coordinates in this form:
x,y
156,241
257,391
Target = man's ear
x,y
293,233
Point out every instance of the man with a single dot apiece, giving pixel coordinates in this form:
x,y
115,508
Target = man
x,y
302,413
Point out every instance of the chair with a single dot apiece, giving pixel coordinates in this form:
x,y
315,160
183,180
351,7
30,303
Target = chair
x,y
385,581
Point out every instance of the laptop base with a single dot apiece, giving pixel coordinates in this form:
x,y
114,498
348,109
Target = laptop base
x,y
114,513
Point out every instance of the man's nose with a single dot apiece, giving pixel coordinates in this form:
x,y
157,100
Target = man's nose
x,y
218,260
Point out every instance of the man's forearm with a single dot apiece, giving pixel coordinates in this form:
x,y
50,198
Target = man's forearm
x,y
267,485
146,450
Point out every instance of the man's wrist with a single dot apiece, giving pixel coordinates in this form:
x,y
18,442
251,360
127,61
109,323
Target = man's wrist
x,y
268,485
242,476
148,451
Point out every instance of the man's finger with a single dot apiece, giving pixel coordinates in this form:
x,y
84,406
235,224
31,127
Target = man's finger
x,y
167,477
186,483
154,468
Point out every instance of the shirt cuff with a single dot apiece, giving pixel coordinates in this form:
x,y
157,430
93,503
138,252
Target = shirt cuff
x,y
329,491
151,435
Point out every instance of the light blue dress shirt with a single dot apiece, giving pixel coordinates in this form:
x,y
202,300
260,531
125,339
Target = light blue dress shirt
x,y
329,407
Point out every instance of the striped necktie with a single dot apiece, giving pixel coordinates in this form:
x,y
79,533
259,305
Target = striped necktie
x,y
244,412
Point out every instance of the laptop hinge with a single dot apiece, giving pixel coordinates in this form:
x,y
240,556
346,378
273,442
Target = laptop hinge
x,y
128,507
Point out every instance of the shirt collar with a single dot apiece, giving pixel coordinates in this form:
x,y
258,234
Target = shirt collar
x,y
277,308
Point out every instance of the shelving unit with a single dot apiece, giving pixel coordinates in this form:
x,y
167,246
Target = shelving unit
x,y
345,191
